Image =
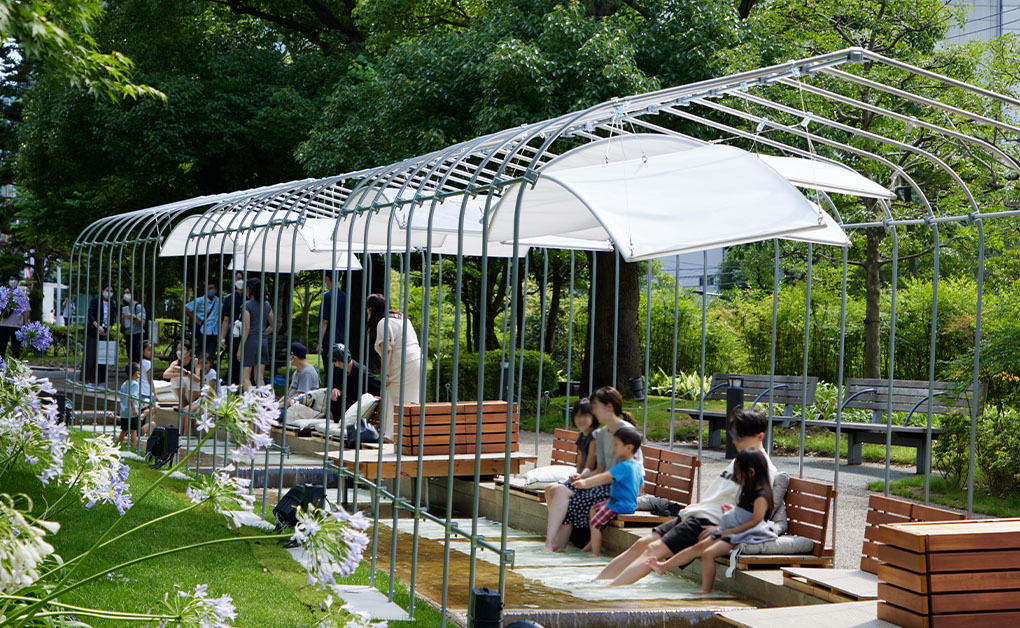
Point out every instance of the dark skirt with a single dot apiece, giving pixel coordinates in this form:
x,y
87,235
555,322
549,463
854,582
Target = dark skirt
x,y
581,502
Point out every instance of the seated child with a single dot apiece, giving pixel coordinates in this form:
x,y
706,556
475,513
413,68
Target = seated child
x,y
626,478
750,516
129,406
586,424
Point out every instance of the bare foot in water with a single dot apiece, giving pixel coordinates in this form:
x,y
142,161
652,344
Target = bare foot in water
x,y
586,548
657,567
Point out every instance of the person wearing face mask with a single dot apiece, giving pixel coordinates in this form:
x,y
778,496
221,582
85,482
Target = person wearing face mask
x,y
332,317
10,324
230,328
206,312
97,327
132,327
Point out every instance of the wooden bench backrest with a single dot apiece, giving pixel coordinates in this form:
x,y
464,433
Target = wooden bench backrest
x,y
905,395
882,509
564,451
808,504
669,474
755,385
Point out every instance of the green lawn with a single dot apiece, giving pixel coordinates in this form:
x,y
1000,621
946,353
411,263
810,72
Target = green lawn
x,y
268,587
941,493
820,442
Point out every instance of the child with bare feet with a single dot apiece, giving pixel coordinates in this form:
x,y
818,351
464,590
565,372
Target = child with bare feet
x,y
754,506
626,478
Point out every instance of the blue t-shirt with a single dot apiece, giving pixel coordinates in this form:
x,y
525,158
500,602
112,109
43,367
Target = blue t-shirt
x,y
208,313
627,480
129,390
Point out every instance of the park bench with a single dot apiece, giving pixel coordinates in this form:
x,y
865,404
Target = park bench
x,y
908,396
668,475
841,585
808,504
788,390
426,427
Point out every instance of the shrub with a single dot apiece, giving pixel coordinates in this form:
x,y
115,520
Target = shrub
x,y
996,453
467,382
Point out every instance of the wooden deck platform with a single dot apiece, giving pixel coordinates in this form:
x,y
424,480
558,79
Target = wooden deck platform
x,y
436,465
834,585
846,615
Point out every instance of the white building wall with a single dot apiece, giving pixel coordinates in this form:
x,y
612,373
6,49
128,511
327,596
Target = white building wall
x,y
986,19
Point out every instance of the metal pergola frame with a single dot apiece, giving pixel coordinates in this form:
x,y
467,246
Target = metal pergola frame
x,y
722,108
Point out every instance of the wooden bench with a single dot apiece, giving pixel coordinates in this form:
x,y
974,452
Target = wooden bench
x,y
808,504
842,585
427,427
668,474
910,396
788,390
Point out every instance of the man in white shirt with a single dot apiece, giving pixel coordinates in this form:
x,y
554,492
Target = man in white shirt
x,y
697,521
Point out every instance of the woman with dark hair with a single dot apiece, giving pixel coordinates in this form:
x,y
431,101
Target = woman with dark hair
x,y
184,378
569,507
253,352
97,327
396,343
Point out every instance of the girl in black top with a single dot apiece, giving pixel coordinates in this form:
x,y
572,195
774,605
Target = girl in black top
x,y
586,424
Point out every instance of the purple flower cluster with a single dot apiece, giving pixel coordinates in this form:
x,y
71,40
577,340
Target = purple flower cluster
x,y
29,421
248,418
334,542
12,302
198,609
115,488
35,335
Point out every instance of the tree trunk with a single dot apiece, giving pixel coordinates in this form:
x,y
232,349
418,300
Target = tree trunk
x,y
36,294
628,354
554,311
873,302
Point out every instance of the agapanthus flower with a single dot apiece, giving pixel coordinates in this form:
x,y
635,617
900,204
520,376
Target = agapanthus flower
x,y
228,495
345,616
35,335
12,302
334,542
30,422
22,546
197,609
248,418
103,476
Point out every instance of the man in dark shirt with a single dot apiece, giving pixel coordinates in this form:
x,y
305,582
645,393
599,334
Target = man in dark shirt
x,y
346,367
233,310
331,327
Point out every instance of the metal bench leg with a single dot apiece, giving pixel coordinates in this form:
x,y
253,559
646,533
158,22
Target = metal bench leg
x,y
922,459
854,449
714,436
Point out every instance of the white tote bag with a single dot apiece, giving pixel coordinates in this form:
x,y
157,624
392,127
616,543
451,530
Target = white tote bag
x,y
106,352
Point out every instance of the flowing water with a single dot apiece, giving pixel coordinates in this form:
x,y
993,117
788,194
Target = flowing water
x,y
535,580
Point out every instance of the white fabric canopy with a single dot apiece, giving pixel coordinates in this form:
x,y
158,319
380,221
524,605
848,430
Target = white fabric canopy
x,y
280,249
821,175
185,239
658,205
831,234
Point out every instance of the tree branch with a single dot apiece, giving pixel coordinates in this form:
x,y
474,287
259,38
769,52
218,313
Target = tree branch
x,y
908,257
311,34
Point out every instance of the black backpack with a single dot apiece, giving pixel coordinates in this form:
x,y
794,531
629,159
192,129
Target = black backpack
x,y
368,433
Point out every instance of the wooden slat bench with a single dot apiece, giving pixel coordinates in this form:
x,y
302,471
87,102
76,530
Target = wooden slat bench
x,y
808,504
910,396
434,437
862,584
788,390
668,474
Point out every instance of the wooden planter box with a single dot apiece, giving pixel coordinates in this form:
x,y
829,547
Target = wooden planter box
x,y
950,574
434,437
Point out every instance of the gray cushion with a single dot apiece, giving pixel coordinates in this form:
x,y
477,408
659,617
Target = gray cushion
x,y
779,486
789,544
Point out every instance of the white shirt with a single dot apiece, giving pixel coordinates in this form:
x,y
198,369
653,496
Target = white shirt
x,y
146,367
724,490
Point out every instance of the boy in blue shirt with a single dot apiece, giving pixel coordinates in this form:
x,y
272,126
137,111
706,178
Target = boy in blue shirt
x,y
626,477
130,395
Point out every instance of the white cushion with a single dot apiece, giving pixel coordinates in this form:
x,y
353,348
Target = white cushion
x,y
548,475
787,544
304,424
368,403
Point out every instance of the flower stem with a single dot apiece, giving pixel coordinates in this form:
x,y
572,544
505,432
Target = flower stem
x,y
34,609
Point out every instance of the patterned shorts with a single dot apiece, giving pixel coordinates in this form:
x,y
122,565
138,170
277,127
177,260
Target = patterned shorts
x,y
581,502
602,516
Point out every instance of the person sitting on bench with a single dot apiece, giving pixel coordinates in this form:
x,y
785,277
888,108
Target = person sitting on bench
x,y
305,377
697,521
347,368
